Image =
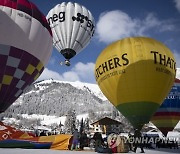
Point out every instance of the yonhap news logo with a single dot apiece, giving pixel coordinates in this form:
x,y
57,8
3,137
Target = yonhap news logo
x,y
114,140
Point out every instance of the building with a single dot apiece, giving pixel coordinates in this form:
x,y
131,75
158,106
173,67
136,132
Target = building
x,y
107,125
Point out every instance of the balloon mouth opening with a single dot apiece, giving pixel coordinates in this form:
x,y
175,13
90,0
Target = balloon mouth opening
x,y
68,53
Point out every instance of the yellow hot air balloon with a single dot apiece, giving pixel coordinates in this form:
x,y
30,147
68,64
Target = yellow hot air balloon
x,y
136,74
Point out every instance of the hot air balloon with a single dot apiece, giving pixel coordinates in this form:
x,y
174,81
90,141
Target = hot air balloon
x,y
136,74
72,27
168,115
25,47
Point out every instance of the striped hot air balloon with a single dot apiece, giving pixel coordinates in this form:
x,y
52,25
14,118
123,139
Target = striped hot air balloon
x,y
168,115
25,47
136,74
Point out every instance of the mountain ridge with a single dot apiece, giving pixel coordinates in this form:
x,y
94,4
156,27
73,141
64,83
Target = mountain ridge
x,y
54,97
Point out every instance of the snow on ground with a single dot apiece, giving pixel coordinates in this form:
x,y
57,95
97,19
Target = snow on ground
x,y
82,116
48,151
46,120
40,151
10,120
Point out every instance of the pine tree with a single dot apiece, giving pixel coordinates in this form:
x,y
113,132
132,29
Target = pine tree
x,y
70,123
92,114
60,127
67,124
86,124
114,113
81,126
73,116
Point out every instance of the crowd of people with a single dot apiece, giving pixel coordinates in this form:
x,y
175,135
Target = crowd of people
x,y
38,133
115,145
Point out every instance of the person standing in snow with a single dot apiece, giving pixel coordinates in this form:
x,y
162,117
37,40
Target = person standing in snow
x,y
75,140
138,140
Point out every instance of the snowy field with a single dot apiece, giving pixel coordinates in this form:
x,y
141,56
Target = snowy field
x,y
47,151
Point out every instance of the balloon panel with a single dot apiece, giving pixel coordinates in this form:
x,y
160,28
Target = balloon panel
x,y
25,7
18,70
24,27
25,47
168,115
72,26
132,74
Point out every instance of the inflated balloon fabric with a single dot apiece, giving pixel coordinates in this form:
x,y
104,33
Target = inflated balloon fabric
x,y
136,74
25,48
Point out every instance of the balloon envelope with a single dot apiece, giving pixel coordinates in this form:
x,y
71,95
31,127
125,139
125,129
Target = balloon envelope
x,y
25,47
136,74
72,27
168,115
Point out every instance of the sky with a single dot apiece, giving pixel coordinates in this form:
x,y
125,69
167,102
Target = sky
x,y
115,20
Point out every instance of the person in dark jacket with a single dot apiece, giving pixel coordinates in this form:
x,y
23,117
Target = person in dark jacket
x,y
98,140
83,140
138,141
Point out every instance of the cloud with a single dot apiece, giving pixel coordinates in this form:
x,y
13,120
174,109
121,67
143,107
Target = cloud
x,y
151,22
52,61
115,24
177,57
178,73
70,76
177,4
119,25
85,71
48,74
80,72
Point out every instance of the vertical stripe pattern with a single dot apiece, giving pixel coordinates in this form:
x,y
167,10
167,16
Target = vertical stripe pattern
x,y
72,26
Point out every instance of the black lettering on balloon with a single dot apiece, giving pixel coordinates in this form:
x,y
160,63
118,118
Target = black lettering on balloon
x,y
56,17
164,60
82,19
126,61
155,57
112,64
116,62
105,67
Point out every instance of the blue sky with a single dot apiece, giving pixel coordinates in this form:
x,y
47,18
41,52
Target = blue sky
x,y
159,19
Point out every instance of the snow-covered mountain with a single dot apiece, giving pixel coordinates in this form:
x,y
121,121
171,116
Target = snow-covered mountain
x,y
92,88
52,97
49,100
